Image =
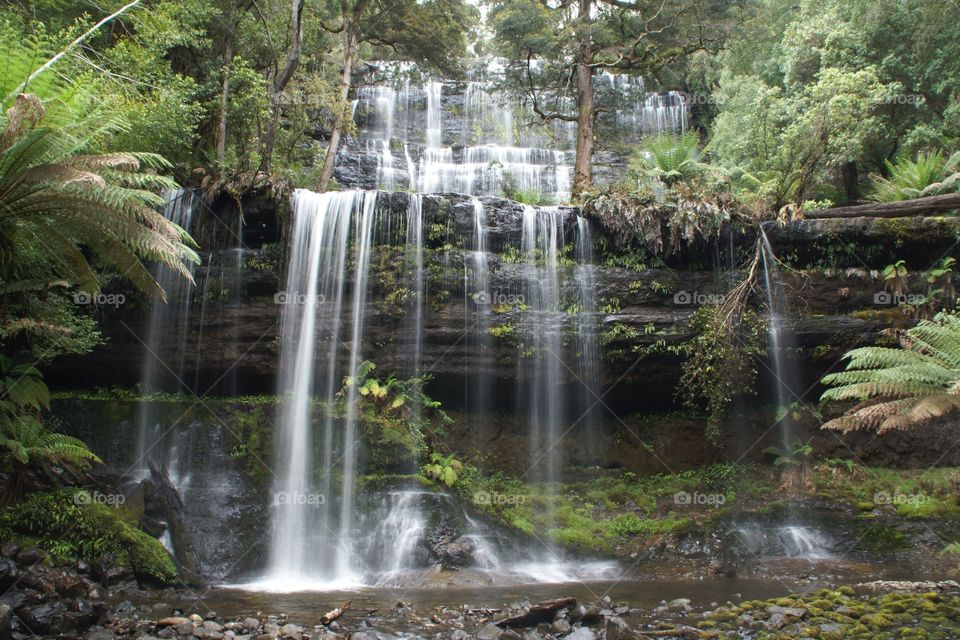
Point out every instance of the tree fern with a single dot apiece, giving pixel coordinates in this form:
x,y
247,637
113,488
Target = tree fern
x,y
929,175
59,196
22,434
905,387
668,157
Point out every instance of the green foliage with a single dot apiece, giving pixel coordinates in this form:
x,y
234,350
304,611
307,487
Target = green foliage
x,y
60,196
791,454
443,468
669,158
899,388
394,412
720,365
929,175
810,87
510,190
608,511
67,524
23,436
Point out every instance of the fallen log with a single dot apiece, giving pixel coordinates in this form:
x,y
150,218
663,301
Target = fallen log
x,y
332,615
542,612
899,209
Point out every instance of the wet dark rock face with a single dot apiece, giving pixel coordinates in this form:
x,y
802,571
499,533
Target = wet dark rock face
x,y
232,346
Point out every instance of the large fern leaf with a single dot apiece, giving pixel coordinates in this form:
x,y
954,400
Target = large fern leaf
x,y
901,388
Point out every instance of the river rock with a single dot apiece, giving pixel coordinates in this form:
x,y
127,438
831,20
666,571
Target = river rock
x,y
776,621
173,621
44,618
6,618
560,626
272,628
212,625
680,605
9,574
616,628
100,634
581,634
490,632
290,631
29,556
789,612
251,624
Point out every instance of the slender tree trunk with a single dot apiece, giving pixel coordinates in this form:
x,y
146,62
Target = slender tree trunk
x,y
349,43
224,104
280,82
586,110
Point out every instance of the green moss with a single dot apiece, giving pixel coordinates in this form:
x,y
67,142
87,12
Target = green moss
x,y
898,615
606,512
68,526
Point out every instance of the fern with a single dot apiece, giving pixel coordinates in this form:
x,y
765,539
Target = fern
x,y
22,434
60,198
929,175
901,388
668,157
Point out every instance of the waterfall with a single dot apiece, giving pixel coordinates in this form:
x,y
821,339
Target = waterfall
x,y
168,324
781,341
311,539
498,146
541,371
479,301
315,540
588,350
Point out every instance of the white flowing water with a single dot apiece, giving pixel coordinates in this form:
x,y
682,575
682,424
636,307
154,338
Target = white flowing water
x,y
312,536
780,342
479,302
169,324
540,375
588,349
495,146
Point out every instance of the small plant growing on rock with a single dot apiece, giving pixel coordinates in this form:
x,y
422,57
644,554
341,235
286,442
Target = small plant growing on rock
x,y
445,469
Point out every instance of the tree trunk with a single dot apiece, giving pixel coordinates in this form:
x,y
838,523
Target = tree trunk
x,y
585,109
224,103
280,82
903,208
349,42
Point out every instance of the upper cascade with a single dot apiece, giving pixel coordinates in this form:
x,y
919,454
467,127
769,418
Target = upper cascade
x,y
470,137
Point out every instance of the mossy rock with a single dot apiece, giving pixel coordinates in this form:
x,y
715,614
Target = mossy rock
x,y
69,526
